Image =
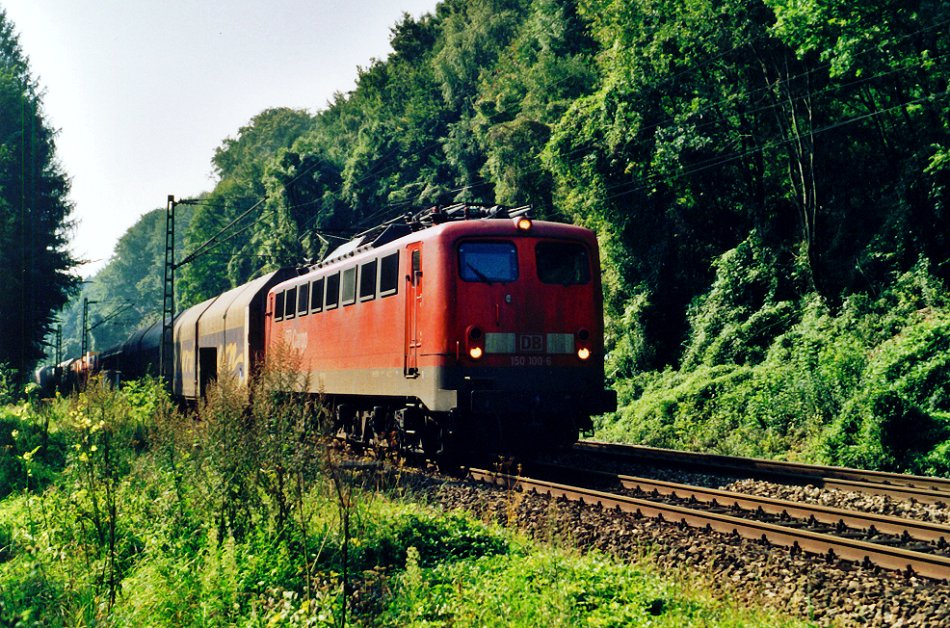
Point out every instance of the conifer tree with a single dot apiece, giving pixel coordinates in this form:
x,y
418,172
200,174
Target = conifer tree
x,y
35,265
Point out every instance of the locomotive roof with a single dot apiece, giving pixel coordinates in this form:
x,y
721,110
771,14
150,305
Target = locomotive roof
x,y
456,220
437,219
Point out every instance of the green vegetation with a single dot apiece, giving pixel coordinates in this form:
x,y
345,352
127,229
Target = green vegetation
x,y
865,386
126,512
768,180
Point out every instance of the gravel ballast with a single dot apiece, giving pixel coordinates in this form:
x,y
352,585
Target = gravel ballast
x,y
748,572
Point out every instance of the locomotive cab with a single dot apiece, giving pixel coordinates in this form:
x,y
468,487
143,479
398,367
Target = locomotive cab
x,y
529,334
451,334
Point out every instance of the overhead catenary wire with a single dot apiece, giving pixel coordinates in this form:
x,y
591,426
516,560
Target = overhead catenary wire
x,y
483,182
710,163
214,241
121,309
216,237
772,106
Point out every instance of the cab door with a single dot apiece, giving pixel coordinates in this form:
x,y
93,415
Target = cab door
x,y
413,307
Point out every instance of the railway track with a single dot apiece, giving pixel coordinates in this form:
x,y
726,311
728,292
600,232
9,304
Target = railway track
x,y
900,486
888,542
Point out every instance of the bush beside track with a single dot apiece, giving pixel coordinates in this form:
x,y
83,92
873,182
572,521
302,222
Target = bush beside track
x,y
866,385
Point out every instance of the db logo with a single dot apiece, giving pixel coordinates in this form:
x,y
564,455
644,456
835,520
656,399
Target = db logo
x,y
531,343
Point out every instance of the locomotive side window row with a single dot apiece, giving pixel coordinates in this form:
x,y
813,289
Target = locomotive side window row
x,y
291,303
303,300
316,295
368,281
379,277
389,275
333,292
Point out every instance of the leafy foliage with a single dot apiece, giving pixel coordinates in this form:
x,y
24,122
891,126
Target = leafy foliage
x,y
735,321
241,164
31,453
899,417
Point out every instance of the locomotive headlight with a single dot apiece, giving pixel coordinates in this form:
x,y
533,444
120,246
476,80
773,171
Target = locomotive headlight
x,y
474,342
523,223
582,345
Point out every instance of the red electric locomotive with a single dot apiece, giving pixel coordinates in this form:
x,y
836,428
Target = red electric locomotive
x,y
463,328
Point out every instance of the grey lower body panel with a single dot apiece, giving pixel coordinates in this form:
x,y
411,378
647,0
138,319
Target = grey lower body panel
x,y
425,385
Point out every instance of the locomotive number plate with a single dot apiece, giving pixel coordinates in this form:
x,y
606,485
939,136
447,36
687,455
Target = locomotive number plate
x,y
530,360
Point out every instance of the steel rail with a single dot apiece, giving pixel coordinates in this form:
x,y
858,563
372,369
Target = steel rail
x,y
928,565
921,488
885,524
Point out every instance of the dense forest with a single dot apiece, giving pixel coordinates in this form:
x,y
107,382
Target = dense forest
x,y
768,180
34,215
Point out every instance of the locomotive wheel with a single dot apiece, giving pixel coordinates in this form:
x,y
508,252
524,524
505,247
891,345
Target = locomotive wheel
x,y
350,421
432,444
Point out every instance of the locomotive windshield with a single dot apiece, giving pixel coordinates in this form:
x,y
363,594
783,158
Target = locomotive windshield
x,y
488,262
562,263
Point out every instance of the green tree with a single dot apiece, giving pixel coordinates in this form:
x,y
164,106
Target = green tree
x,y
819,126
473,37
35,264
547,66
667,159
884,135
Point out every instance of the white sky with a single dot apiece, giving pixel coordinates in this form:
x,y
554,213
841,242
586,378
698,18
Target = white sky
x,y
143,91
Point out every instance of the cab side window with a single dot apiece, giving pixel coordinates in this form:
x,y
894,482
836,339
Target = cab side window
x,y
368,281
333,292
389,275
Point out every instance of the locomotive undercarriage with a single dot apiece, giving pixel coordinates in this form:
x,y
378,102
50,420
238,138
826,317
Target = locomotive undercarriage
x,y
407,427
